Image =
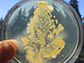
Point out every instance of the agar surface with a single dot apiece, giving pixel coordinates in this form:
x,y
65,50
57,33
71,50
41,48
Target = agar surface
x,y
42,41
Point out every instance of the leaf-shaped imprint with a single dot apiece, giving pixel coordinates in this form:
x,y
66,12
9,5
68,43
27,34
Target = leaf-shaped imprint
x,y
43,42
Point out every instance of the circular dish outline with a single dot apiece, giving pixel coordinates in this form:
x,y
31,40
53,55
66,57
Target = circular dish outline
x,y
75,14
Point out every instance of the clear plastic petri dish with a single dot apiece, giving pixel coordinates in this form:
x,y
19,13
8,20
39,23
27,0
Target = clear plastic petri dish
x,y
48,31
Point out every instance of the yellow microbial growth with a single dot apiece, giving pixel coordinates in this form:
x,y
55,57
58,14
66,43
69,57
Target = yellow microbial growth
x,y
50,36
42,42
53,20
56,21
54,16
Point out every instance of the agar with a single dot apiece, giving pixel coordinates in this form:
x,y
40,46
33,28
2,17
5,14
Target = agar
x,y
42,42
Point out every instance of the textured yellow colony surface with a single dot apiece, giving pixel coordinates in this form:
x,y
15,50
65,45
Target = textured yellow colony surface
x,y
42,42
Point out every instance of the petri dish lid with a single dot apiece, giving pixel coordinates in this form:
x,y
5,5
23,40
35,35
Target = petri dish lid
x,y
47,31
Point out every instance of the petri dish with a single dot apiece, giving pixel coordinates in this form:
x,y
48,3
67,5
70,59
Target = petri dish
x,y
48,31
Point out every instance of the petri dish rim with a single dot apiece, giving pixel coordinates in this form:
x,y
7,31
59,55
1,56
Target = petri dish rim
x,y
77,20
